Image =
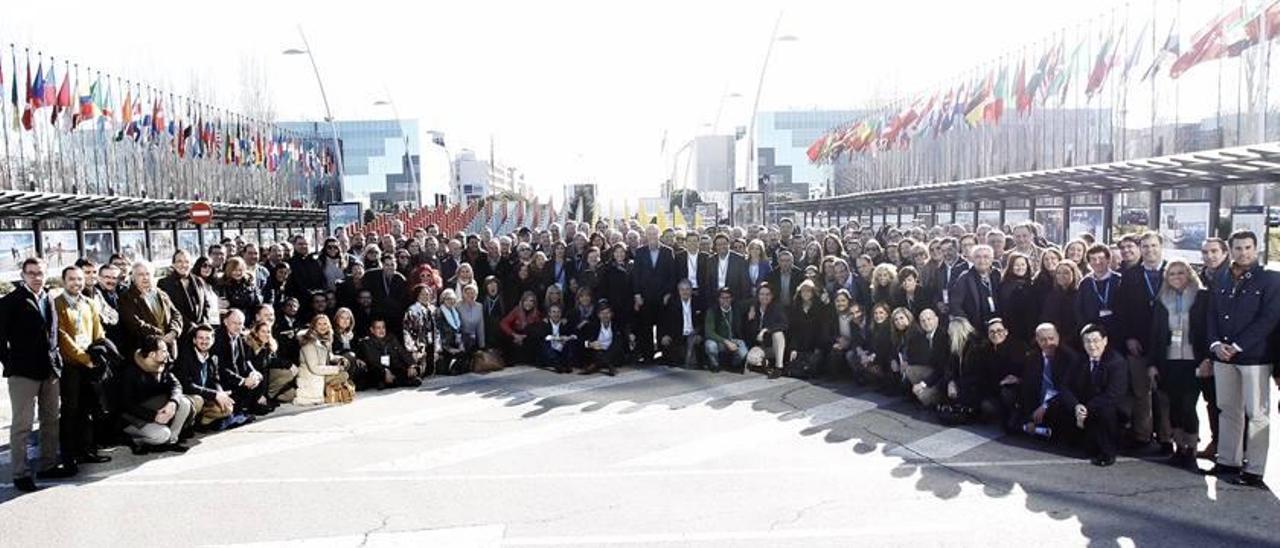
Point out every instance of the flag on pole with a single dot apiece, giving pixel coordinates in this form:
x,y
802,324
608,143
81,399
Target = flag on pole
x,y
1102,64
1168,51
1135,52
1208,44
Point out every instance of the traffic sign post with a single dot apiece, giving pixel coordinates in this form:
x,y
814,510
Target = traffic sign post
x,y
201,213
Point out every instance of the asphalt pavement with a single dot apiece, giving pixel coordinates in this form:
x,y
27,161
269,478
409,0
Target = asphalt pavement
x,y
656,456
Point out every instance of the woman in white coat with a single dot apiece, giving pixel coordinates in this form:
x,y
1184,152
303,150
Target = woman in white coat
x,y
318,366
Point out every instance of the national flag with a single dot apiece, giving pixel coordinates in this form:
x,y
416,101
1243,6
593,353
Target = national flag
x,y
48,89
995,104
1102,64
974,110
1208,44
13,90
157,116
1061,83
35,88
88,109
815,149
1170,50
1022,99
1135,52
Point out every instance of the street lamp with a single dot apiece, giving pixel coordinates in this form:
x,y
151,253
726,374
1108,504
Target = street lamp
x,y
752,168
333,125
413,173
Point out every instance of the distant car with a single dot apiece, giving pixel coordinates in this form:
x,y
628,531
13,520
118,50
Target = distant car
x,y
1273,216
1134,217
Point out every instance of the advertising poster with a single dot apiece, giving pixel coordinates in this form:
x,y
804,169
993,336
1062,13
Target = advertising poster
x,y
15,247
1184,225
133,245
61,250
746,208
162,247
1051,220
342,215
98,246
1086,220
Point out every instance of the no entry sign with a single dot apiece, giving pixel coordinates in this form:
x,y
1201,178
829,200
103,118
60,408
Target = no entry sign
x,y
201,213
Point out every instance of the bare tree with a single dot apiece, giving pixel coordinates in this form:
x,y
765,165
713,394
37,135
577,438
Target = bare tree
x,y
255,92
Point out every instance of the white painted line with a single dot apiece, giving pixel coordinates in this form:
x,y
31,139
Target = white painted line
x,y
594,475
480,536
947,443
567,427
708,448
196,459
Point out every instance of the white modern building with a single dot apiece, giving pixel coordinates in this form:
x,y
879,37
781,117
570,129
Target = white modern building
x,y
475,178
380,159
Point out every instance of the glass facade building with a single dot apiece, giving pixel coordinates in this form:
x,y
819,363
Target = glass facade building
x,y
377,170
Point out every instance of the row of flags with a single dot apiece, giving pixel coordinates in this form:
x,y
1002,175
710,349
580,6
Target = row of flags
x,y
148,117
506,217
1023,84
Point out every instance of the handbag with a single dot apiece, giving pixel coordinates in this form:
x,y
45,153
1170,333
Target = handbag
x,y
486,361
339,393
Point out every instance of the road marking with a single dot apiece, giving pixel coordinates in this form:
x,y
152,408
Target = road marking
x,y
197,459
570,426
480,536
545,476
947,443
711,447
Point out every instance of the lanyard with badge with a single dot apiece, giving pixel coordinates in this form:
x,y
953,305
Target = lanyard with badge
x,y
1175,335
1104,298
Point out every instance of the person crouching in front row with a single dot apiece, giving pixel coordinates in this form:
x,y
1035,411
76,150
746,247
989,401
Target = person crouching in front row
x,y
556,339
154,410
388,363
604,342
318,366
1072,396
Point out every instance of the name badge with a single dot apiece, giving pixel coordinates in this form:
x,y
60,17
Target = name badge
x,y
1175,337
386,361
1104,313
946,297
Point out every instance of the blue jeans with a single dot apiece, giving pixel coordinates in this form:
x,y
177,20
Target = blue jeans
x,y
714,349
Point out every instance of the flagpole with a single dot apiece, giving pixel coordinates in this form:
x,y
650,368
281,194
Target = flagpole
x,y
8,155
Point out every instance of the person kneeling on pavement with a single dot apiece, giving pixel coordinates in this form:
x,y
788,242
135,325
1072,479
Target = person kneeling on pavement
x,y
198,372
389,364
154,410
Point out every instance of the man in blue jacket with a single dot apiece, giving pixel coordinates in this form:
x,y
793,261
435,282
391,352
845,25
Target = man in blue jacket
x,y
1244,307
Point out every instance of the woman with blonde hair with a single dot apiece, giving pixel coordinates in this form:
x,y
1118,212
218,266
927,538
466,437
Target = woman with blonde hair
x,y
1178,343
884,283
266,359
318,366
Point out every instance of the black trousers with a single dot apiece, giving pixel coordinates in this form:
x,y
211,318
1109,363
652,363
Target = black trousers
x,y
612,357
83,419
645,323
248,397
1102,429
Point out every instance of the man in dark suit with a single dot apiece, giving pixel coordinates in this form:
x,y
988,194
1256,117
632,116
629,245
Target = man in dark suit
x,y
1106,382
389,291
198,371
1050,384
974,294
654,278
188,293
728,269
847,278
691,265
725,333
557,340
307,272
449,264
1139,289
786,278
947,273
680,332
247,385
33,367
602,342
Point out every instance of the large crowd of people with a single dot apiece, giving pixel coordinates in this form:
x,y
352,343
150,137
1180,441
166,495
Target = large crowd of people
x,y
1109,345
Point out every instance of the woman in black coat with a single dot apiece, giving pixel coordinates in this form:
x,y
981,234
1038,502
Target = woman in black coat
x,y
1059,306
1014,302
767,328
997,361
238,288
1178,345
882,347
494,310
617,286
808,331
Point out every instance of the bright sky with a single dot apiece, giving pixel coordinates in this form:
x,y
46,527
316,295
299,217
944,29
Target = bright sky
x,y
571,91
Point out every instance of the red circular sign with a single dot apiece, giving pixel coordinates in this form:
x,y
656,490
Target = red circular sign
x,y
201,213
